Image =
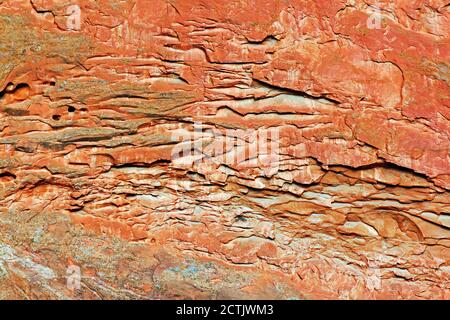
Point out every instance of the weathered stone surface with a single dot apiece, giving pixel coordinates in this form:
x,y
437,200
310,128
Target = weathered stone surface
x,y
338,112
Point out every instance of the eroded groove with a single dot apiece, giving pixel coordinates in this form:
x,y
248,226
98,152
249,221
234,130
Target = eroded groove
x,y
158,148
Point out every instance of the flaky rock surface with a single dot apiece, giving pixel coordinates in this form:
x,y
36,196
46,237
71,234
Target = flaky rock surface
x,y
358,206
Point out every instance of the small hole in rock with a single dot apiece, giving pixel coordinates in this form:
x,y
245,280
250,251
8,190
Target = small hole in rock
x,y
56,117
71,109
240,218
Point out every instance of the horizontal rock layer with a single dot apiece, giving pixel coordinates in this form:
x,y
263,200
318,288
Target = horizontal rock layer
x,y
337,113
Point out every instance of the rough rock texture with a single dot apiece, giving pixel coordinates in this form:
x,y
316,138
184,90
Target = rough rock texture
x,y
353,203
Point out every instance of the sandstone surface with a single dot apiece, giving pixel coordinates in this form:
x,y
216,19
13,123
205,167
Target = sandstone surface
x,y
211,149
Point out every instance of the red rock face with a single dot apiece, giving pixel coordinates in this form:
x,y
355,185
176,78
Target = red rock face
x,y
224,149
